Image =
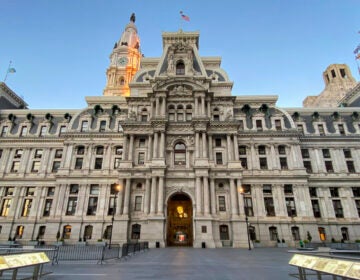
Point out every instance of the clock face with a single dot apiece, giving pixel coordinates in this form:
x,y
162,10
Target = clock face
x,y
122,61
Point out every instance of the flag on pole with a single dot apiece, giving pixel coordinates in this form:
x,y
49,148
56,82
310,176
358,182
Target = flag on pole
x,y
185,17
357,49
11,70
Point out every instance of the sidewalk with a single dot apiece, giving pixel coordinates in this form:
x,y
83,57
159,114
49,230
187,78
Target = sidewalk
x,y
185,263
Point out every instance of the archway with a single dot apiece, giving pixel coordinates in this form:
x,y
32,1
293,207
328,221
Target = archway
x,y
179,220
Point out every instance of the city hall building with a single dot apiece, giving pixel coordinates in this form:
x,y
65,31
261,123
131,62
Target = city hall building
x,y
168,155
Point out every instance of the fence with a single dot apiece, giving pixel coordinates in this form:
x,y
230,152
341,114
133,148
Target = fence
x,y
80,253
343,246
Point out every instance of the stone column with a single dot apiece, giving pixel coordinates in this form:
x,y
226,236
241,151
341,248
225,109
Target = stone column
x,y
204,146
254,161
147,196
163,106
153,195
208,109
149,150
258,200
279,200
229,147
206,196
202,105
125,148
240,198
157,107
196,106
127,196
152,109
187,158
160,206
212,196
274,158
156,145
198,196
119,202
236,148
131,147
162,144
233,198
197,144
210,148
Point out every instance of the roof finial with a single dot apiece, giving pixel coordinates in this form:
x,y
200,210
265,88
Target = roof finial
x,y
132,17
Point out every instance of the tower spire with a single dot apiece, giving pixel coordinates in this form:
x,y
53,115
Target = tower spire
x,y
124,61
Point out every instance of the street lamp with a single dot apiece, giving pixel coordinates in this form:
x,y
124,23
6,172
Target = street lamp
x,y
116,189
242,191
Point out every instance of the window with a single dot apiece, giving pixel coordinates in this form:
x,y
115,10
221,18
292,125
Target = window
x,y
263,163
180,154
322,233
84,126
329,166
35,166
242,150
58,153
78,163
334,192
180,68
56,166
19,231
269,206
120,129
312,192
278,125
356,191
88,232
222,205
326,153
74,189
273,233
4,131
15,166
244,162
171,116
47,207
117,163
71,207
138,202
102,126
347,153
217,142
92,206
203,229
141,158
41,232
66,232
288,189
241,125
295,233
248,207
283,163
26,207
341,129
262,150
342,72
38,153
135,231
142,143
224,232
282,150
307,165
100,150
9,191
94,189
80,150
338,208
30,191
267,189
188,116
316,208
139,186
5,207
350,166
305,153
23,131
259,126
357,204
252,233
42,131
290,206
300,128
62,129
18,153
321,130
144,117
111,209
50,191
98,163
218,158
344,233
1,152
118,150
216,114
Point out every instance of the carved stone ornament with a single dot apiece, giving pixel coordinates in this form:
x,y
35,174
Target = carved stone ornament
x,y
179,90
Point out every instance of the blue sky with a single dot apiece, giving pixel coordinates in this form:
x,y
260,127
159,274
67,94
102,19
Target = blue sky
x,y
61,48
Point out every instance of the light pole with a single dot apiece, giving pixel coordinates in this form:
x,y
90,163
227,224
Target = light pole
x,y
116,190
242,191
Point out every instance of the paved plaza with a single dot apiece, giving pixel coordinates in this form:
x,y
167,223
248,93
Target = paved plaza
x,y
184,263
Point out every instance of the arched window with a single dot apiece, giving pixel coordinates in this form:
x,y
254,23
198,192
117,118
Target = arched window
x,y
252,233
88,232
180,68
67,232
344,233
322,233
273,233
295,233
122,81
224,232
135,231
180,154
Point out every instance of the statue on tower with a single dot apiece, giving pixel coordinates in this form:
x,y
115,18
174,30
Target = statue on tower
x,y
132,17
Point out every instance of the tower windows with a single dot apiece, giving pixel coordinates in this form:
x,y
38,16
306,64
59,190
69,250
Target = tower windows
x,y
180,68
180,154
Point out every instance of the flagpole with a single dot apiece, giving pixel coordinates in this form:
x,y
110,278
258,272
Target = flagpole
x,y
7,71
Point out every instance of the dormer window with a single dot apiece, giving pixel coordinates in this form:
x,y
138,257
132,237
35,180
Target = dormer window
x,y
180,68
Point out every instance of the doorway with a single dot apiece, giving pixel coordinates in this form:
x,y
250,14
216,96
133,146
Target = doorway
x,y
179,221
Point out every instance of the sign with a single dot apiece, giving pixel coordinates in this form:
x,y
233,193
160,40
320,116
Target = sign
x,y
21,260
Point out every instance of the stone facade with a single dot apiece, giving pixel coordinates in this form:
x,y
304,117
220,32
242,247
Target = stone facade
x,y
187,157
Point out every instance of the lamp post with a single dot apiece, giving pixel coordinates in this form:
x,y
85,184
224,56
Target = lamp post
x,y
116,190
242,191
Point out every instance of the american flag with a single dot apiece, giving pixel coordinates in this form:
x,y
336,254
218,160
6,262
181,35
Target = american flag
x,y
184,17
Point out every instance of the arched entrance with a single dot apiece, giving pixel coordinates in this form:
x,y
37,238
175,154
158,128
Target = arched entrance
x,y
179,221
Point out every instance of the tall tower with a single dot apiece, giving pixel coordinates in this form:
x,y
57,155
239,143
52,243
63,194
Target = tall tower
x,y
124,62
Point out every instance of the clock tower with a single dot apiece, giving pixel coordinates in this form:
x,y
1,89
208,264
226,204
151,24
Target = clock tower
x,y
124,62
